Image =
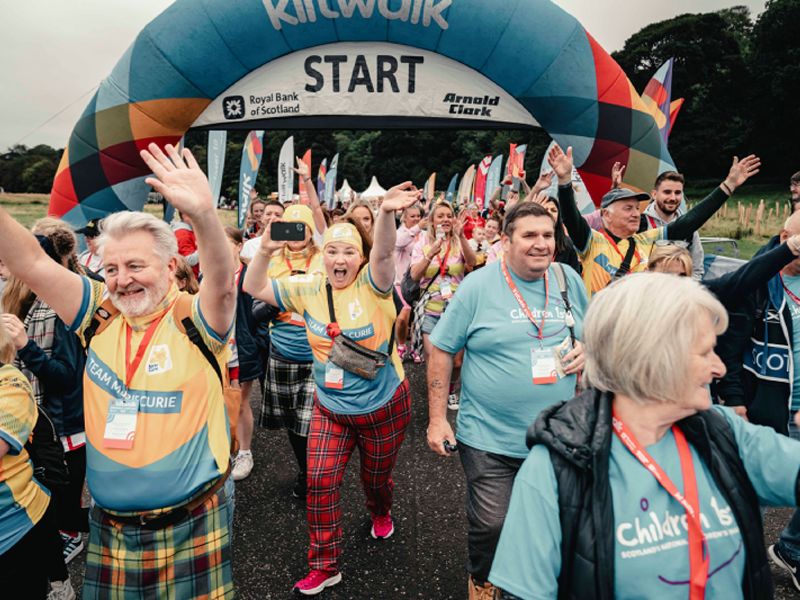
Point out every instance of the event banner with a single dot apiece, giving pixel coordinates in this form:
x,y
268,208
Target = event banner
x,y
516,164
465,189
300,183
330,183
285,172
217,139
251,160
480,181
429,189
323,170
375,80
494,175
451,189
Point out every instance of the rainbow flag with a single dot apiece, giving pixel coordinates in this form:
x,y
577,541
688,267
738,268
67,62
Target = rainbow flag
x,y
323,169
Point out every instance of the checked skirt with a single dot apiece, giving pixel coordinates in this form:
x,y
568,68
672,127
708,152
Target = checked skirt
x,y
288,396
190,559
333,437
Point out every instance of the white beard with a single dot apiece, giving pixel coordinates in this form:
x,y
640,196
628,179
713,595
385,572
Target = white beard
x,y
137,307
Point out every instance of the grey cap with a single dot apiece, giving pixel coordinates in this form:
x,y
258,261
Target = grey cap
x,y
622,194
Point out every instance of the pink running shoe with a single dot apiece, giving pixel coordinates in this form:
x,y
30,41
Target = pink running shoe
x,y
401,351
316,581
417,358
382,527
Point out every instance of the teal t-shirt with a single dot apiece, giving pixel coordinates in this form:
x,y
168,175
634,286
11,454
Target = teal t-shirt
x,y
498,397
793,283
651,555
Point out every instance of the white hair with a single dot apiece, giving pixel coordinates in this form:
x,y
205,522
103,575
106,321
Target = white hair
x,y
640,330
121,224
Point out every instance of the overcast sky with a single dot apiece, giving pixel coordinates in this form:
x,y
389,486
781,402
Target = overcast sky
x,y
54,53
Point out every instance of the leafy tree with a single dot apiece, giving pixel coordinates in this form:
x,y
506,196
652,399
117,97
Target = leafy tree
x,y
776,87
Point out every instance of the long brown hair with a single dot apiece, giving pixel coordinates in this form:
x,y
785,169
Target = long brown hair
x,y
366,239
17,296
7,350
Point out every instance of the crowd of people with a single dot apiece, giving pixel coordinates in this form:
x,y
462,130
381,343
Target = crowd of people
x,y
608,451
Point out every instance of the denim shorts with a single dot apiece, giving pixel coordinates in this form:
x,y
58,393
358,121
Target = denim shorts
x,y
429,322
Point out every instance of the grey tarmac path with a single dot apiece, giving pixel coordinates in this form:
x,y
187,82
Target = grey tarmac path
x,y
425,557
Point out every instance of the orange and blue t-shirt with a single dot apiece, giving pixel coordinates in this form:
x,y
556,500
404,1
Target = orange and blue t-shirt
x,y
602,256
182,437
23,500
365,314
288,330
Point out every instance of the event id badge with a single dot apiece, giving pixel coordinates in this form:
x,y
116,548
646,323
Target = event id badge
x,y
297,319
334,376
445,290
543,366
121,424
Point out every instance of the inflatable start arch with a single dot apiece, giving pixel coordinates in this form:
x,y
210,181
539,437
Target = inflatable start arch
x,y
281,64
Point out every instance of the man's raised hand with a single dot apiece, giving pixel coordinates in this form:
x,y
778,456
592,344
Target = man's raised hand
x,y
742,170
178,178
561,163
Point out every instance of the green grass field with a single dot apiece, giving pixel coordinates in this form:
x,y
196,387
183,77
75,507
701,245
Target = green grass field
x,y
26,208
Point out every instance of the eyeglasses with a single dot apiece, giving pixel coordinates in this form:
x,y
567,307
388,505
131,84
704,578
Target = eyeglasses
x,y
679,243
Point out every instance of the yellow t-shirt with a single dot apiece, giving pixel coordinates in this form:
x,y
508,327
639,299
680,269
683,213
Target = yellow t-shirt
x,y
23,500
601,260
365,314
182,438
288,330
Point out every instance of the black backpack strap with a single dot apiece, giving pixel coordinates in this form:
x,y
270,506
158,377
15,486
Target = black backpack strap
x,y
625,267
194,336
561,280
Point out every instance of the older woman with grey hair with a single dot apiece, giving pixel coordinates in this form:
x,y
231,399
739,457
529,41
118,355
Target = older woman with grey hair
x,y
639,487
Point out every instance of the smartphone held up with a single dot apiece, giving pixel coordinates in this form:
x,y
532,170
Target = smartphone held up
x,y
287,232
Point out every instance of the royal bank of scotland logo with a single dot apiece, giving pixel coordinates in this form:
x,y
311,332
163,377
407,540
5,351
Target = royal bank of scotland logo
x,y
233,107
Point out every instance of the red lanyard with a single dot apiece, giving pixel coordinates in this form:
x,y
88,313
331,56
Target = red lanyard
x,y
652,221
443,263
292,270
616,248
698,563
790,293
521,301
130,367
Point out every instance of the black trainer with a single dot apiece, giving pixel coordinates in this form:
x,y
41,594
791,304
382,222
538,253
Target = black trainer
x,y
785,563
300,487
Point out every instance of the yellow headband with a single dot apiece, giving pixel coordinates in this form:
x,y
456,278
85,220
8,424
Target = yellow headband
x,y
344,233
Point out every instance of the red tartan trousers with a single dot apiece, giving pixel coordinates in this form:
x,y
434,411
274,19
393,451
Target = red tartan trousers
x,y
331,440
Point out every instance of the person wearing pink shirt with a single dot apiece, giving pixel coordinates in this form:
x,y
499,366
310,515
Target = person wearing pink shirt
x,y
411,230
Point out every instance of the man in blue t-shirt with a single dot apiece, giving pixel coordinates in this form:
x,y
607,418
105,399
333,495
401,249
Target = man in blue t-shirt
x,y
518,329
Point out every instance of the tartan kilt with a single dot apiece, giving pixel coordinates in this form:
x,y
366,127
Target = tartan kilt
x,y
190,559
288,396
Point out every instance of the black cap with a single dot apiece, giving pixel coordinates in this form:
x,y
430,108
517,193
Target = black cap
x,y
91,229
622,194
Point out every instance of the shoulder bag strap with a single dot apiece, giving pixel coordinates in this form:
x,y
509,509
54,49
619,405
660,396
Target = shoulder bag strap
x,y
332,315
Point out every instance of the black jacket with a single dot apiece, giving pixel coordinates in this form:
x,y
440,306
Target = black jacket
x,y
757,351
578,436
250,367
61,377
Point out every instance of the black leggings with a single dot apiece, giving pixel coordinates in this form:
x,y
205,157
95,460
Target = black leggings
x,y
70,516
26,567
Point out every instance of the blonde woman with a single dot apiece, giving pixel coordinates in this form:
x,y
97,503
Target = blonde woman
x,y
361,211
440,262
